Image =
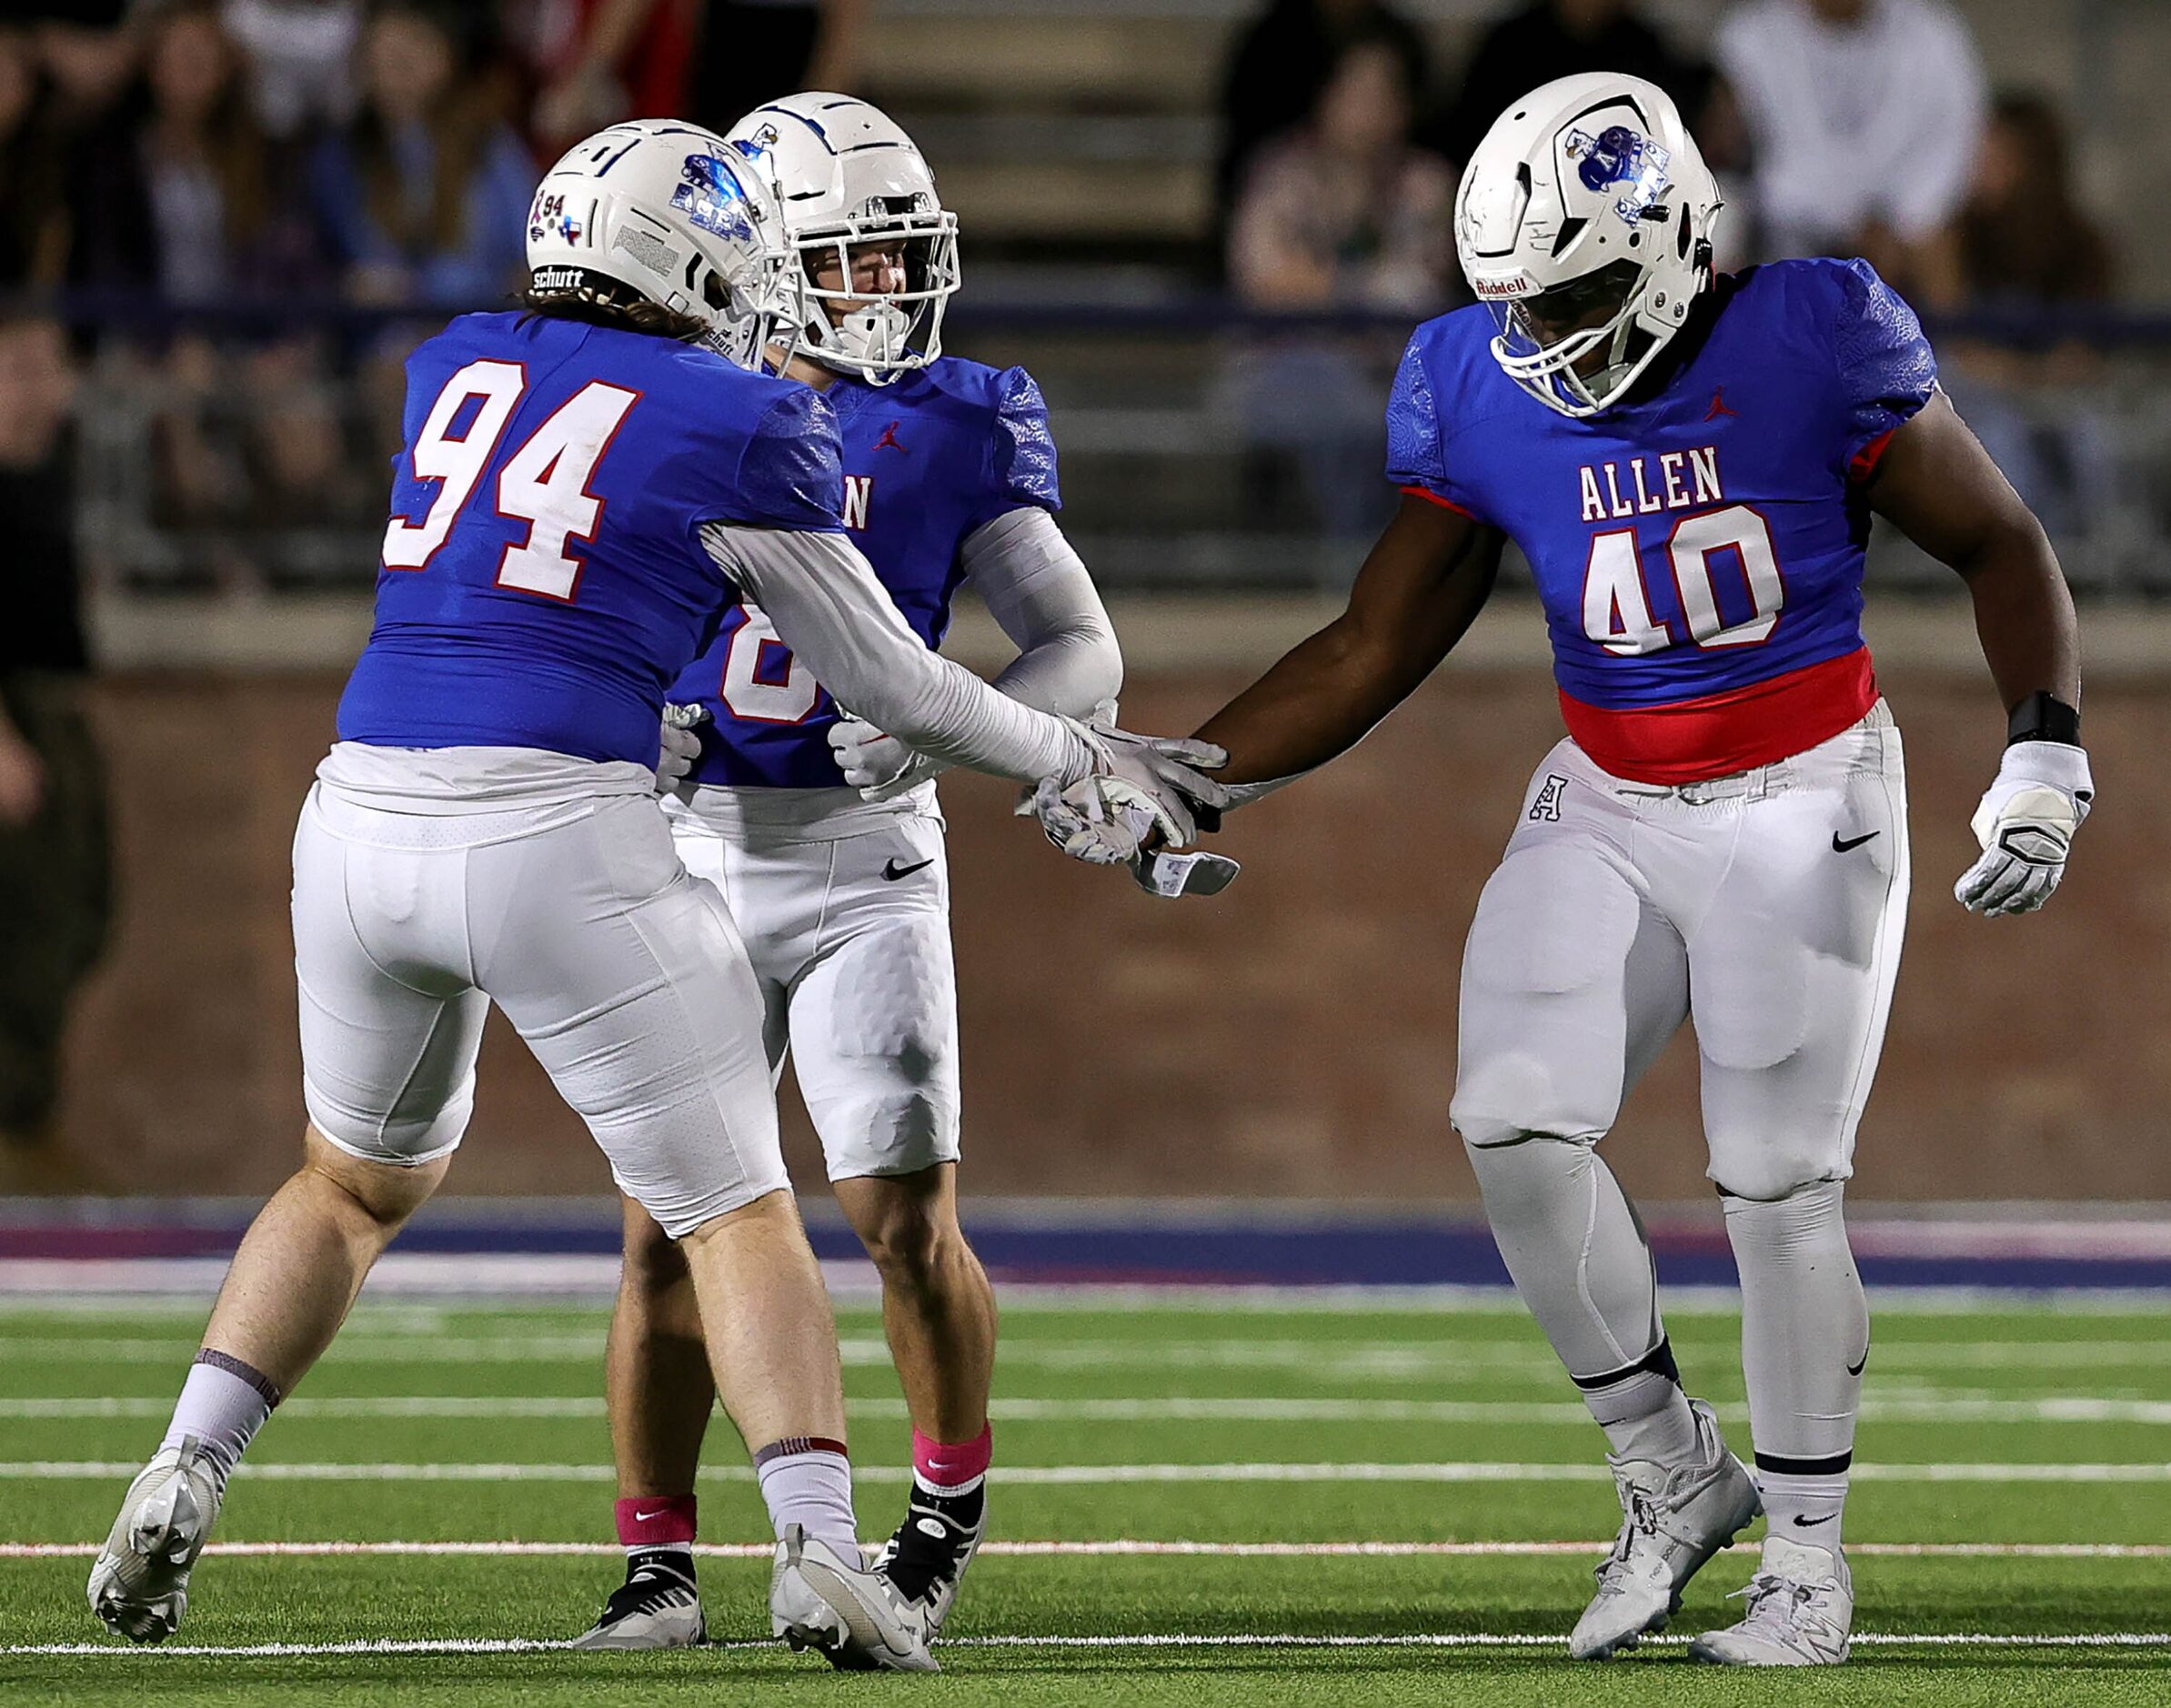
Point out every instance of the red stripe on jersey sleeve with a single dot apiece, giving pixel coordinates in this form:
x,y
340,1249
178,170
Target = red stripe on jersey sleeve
x,y
1434,498
1867,459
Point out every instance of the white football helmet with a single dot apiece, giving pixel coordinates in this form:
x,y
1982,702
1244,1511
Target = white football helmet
x,y
1585,222
674,214
846,176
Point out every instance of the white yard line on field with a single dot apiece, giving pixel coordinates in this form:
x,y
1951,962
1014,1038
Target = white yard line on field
x,y
78,1351
1124,1548
2049,1409
1456,1471
1160,1640
1372,1359
463,1280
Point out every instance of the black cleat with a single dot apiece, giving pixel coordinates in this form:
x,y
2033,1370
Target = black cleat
x,y
658,1606
927,1556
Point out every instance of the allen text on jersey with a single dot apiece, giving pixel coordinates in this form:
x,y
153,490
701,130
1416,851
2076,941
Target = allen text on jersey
x,y
1644,486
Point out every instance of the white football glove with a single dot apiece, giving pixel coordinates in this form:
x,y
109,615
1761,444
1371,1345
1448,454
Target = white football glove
x,y
1139,785
2025,825
681,747
878,766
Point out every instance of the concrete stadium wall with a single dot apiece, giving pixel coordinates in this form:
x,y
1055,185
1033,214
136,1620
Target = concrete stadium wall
x,y
1294,1036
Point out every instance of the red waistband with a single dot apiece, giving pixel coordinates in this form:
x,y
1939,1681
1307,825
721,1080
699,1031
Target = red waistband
x,y
1695,741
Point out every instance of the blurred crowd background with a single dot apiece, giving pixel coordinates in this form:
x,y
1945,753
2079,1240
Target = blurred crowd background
x,y
1207,226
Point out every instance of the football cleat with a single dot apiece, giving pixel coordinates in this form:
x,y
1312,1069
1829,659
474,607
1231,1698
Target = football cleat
x,y
1674,1519
843,1609
1801,1611
659,1606
926,1556
139,1586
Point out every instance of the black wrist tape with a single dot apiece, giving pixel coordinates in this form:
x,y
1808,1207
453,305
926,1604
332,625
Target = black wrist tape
x,y
2042,716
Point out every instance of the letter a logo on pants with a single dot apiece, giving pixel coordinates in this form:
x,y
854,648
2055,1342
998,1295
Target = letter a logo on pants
x,y
1547,806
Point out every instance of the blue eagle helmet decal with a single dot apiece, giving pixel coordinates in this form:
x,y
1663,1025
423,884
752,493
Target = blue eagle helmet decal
x,y
753,148
713,198
1624,158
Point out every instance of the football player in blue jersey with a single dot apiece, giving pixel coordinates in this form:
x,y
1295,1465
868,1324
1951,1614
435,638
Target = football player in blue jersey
x,y
585,489
842,892
1691,464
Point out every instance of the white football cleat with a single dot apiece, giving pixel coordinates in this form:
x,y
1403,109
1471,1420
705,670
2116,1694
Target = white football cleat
x,y
1674,1519
818,1599
139,1586
1801,1612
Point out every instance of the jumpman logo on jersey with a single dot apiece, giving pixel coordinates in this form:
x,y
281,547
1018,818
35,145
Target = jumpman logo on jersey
x,y
1718,406
888,440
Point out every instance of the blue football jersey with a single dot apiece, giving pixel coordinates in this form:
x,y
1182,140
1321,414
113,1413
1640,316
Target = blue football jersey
x,y
927,460
543,579
1699,550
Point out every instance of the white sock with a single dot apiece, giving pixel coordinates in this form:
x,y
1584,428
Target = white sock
x,y
1806,1509
222,1404
1643,1410
807,1481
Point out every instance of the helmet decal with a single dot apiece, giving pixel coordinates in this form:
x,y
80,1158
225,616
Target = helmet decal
x,y
1618,156
713,198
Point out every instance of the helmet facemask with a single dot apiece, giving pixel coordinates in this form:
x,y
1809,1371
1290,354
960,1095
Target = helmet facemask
x,y
748,318
1545,339
882,335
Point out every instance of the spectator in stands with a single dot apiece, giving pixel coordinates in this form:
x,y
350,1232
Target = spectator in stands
x,y
176,190
2024,240
2027,247
54,867
300,56
88,54
600,61
1279,65
708,60
1863,118
423,196
1559,38
32,231
1346,213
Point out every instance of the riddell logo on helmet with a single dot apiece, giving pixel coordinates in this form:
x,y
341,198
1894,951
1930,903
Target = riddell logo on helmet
x,y
1516,286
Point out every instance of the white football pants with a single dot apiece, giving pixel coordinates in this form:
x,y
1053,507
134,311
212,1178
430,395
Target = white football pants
x,y
846,919
626,976
1766,908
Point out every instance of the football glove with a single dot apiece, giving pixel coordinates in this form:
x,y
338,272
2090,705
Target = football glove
x,y
2025,825
1142,790
681,745
878,766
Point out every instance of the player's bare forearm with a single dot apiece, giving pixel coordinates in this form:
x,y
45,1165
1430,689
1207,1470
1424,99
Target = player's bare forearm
x,y
1940,487
1419,591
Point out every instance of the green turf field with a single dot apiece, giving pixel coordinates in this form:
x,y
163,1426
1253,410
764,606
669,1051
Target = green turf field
x,y
2009,1528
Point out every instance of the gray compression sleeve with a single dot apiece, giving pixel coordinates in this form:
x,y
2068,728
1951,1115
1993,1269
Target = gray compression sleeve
x,y
828,608
1040,593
